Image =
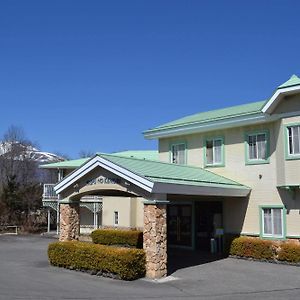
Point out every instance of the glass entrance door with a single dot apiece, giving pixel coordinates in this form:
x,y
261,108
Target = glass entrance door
x,y
208,218
180,225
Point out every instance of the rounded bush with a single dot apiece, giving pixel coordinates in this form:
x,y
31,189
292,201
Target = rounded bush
x,y
252,247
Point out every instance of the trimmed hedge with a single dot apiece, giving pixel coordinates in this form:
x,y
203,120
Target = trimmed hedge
x,y
132,238
128,264
286,251
252,247
289,252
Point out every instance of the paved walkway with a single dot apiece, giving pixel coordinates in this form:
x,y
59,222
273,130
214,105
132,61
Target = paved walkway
x,y
26,274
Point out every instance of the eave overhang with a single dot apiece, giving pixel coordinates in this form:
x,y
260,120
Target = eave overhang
x,y
150,186
205,190
280,93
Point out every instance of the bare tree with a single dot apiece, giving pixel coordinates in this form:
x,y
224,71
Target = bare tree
x,y
85,153
20,191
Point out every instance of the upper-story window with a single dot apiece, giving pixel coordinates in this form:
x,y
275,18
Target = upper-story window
x,y
178,153
294,140
257,147
214,152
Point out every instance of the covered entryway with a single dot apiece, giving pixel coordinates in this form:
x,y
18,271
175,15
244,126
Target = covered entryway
x,y
195,225
182,205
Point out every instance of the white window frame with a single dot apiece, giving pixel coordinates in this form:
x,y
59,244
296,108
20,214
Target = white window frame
x,y
116,218
293,141
272,235
256,146
213,140
172,153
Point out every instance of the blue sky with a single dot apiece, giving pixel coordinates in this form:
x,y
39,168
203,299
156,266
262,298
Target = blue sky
x,y
92,75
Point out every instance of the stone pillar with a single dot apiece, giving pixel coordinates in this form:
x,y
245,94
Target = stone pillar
x,y
155,239
69,221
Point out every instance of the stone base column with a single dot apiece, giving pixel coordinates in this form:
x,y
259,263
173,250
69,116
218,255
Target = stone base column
x,y
155,240
69,221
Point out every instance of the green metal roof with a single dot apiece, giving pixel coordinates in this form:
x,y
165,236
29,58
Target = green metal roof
x,y
142,154
157,171
213,115
294,80
76,163
67,164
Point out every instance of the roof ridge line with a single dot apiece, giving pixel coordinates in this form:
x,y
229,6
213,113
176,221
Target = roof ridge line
x,y
141,175
127,157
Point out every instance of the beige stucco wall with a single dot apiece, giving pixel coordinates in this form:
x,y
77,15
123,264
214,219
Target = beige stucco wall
x,y
130,212
288,104
242,215
120,204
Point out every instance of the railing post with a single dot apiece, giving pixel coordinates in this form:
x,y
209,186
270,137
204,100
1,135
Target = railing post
x,y
49,220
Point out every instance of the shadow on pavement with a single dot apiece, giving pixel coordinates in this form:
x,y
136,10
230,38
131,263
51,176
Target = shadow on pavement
x,y
183,258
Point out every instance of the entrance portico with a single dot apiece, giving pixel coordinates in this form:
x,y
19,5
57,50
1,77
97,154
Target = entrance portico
x,y
159,185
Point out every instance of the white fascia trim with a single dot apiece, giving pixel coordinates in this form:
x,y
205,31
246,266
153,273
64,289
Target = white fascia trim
x,y
277,96
181,189
220,124
109,166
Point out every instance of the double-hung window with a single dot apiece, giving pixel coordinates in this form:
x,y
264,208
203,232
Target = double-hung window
x,y
257,147
293,140
272,222
214,152
178,153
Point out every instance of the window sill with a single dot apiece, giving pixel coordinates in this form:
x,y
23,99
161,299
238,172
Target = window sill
x,y
215,166
293,157
273,237
257,162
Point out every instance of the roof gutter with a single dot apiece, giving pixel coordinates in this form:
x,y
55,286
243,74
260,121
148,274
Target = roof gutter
x,y
209,126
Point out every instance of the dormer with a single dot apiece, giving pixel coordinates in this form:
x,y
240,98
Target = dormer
x,y
284,99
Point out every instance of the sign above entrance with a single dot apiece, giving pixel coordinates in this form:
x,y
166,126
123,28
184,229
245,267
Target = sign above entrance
x,y
103,180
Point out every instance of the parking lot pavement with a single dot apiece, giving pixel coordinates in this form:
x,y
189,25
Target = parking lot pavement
x,y
26,274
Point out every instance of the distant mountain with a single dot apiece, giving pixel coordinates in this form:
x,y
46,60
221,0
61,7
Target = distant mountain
x,y
21,151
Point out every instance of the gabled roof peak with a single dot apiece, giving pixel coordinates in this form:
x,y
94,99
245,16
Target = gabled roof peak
x,y
294,80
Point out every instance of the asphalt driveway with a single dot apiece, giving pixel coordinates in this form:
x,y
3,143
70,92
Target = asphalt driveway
x,y
26,274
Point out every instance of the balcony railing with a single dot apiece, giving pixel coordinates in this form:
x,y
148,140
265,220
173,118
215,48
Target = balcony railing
x,y
49,192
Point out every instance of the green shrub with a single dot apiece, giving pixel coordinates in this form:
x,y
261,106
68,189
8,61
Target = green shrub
x,y
132,238
128,264
252,247
289,252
